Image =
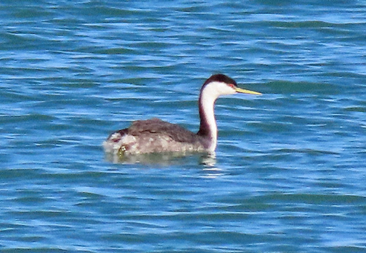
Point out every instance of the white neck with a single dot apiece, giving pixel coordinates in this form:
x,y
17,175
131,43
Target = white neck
x,y
208,127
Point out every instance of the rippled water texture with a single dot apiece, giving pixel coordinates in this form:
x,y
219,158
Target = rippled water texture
x,y
289,173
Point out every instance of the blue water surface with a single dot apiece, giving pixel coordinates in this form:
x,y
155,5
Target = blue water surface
x,y
289,173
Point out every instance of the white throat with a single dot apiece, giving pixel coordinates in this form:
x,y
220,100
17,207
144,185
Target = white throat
x,y
207,105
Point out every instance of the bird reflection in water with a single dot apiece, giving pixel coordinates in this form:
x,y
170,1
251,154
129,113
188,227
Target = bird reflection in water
x,y
163,159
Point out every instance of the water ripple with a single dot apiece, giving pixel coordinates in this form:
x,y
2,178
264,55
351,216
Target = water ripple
x,y
288,173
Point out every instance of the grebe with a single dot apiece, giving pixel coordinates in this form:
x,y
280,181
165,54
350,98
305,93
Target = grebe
x,y
157,136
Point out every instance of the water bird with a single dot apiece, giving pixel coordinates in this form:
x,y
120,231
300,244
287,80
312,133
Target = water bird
x,y
157,136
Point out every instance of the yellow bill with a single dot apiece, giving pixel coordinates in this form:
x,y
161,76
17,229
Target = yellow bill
x,y
247,91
